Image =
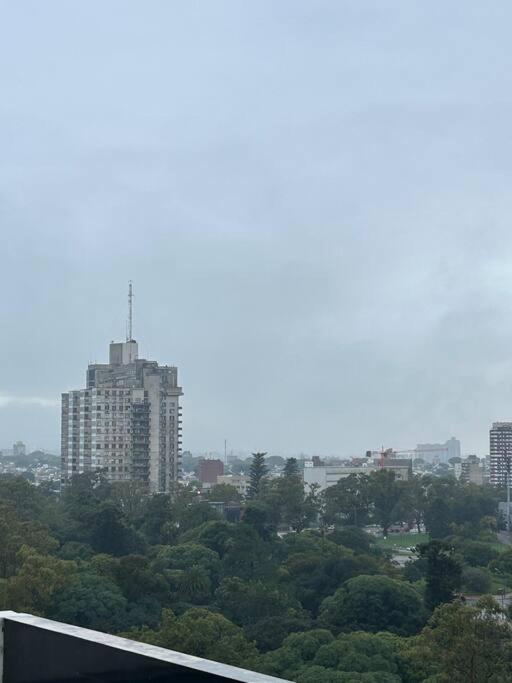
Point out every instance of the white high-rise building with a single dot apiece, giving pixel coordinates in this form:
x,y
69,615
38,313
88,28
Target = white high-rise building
x,y
126,422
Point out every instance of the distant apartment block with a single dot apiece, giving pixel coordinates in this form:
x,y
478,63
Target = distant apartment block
x,y
471,471
126,422
500,438
440,452
19,448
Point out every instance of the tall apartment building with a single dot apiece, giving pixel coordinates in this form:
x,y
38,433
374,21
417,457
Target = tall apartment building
x,y
126,422
500,437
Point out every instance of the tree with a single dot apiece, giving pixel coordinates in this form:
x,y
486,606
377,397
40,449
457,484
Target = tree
x,y
443,572
217,536
352,537
202,633
129,497
257,472
503,563
297,650
195,585
110,534
269,632
261,517
373,603
14,533
194,514
469,644
25,499
92,601
385,493
224,493
245,602
291,468
248,556
475,553
37,581
316,567
187,555
348,501
286,503
476,580
437,518
413,501
361,652
158,520
135,577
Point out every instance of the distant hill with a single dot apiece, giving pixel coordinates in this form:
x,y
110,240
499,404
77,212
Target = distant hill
x,y
34,458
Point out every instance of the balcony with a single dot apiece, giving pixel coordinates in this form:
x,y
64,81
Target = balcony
x,y
37,650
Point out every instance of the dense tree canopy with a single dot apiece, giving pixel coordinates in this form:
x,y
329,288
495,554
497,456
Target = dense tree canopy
x,y
297,588
374,603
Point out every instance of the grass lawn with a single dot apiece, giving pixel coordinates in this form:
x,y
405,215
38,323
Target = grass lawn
x,y
402,540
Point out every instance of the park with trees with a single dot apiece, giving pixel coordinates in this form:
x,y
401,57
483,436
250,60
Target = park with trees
x,y
297,588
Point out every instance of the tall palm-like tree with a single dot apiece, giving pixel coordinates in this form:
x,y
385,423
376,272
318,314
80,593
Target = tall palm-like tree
x,y
256,473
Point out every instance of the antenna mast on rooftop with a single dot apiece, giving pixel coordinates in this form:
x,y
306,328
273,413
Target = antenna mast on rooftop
x,y
130,312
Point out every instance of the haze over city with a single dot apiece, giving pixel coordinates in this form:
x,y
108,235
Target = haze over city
x,y
310,198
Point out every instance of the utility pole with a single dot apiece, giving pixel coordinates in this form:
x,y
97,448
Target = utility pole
x,y
225,451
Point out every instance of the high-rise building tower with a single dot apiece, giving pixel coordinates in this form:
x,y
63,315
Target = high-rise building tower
x,y
500,437
126,422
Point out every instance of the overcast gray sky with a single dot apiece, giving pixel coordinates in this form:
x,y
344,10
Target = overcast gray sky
x,y
312,199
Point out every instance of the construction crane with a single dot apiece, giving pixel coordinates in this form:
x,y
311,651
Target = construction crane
x,y
390,452
383,454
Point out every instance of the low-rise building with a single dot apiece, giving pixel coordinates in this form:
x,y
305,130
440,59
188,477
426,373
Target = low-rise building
x,y
329,475
239,481
402,467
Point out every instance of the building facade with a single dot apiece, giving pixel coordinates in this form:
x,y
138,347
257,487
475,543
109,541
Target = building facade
x,y
471,471
325,476
126,422
209,470
500,438
240,482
